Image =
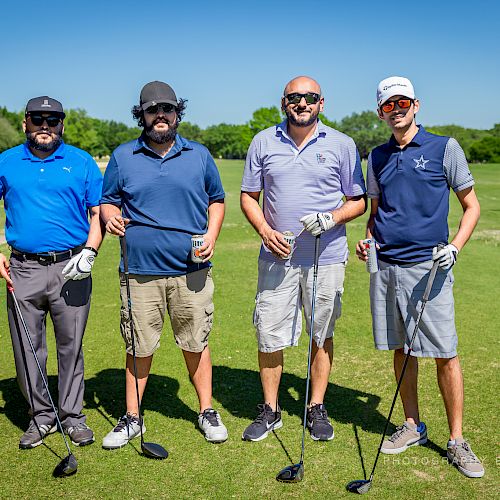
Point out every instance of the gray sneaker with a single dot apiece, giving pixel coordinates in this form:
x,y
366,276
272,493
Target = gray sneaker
x,y
461,455
126,429
405,436
34,435
211,425
80,434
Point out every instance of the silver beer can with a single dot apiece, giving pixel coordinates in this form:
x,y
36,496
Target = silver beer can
x,y
196,243
371,250
290,239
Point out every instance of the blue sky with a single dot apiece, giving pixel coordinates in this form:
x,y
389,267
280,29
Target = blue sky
x,y
229,58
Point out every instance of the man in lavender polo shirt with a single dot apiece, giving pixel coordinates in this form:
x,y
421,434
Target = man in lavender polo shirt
x,y
311,178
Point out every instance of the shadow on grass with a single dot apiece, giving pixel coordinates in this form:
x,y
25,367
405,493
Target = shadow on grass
x,y
106,391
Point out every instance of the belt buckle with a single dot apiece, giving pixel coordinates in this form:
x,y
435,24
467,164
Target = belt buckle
x,y
50,257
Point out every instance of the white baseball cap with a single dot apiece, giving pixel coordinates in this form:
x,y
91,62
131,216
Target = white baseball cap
x,y
394,85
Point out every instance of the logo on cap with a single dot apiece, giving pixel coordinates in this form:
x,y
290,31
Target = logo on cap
x,y
45,104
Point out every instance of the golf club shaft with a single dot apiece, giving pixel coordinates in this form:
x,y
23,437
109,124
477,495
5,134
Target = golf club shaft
x,y
425,298
123,244
46,385
311,335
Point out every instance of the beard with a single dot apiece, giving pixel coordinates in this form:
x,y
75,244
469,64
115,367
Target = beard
x,y
301,122
46,147
162,137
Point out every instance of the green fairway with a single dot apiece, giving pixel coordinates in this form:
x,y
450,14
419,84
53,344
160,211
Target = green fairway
x,y
358,398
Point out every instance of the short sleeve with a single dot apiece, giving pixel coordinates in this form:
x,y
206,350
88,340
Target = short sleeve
x,y
252,173
351,174
93,184
111,189
456,167
213,183
373,188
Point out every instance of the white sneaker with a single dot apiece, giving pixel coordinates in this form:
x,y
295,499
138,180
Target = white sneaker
x,y
211,425
126,429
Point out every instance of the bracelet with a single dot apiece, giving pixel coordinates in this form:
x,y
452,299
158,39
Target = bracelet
x,y
92,249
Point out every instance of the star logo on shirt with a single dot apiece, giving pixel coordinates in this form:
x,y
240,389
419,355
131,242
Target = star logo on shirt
x,y
420,163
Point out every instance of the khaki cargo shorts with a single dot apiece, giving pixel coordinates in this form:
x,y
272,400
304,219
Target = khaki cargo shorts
x,y
188,300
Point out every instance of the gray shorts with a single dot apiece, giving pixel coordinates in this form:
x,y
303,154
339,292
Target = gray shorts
x,y
282,291
396,298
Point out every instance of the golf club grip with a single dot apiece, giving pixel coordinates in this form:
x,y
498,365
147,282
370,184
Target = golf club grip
x,y
432,275
123,246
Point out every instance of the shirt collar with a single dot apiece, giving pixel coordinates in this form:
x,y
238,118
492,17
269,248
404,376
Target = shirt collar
x,y
321,129
60,152
180,144
418,138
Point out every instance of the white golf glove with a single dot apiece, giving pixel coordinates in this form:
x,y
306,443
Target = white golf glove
x,y
318,222
80,266
447,256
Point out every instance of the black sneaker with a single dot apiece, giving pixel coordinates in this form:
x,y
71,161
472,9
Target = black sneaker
x,y
267,420
80,434
318,424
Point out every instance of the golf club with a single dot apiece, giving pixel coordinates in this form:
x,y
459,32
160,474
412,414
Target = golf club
x,y
362,486
150,450
68,465
295,473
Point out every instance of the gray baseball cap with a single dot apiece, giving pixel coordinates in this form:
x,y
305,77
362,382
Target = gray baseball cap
x,y
157,92
45,104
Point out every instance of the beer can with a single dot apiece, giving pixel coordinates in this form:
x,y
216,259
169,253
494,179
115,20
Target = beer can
x,y
196,243
290,239
371,250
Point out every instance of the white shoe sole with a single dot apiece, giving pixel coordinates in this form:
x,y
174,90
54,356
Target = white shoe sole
x,y
121,445
278,425
221,439
464,471
395,451
38,443
314,438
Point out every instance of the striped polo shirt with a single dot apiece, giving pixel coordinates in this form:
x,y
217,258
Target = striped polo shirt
x,y
296,182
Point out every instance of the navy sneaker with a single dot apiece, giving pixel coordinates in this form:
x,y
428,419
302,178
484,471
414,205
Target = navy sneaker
x,y
318,424
266,421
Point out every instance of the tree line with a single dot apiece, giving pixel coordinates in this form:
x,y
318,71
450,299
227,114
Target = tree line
x,y
101,137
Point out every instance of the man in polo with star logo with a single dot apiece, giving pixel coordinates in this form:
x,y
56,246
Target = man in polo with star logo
x,y
408,181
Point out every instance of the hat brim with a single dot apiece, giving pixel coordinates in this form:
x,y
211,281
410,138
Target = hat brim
x,y
55,113
386,98
148,104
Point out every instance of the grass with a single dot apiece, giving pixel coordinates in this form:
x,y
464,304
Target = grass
x,y
358,398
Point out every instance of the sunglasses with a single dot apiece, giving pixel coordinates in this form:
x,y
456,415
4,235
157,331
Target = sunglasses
x,y
52,121
295,98
165,107
390,105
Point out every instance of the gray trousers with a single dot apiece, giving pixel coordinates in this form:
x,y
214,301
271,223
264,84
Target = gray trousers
x,y
41,289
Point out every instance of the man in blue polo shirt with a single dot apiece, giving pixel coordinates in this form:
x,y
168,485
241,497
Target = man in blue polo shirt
x,y
161,187
310,177
50,189
409,180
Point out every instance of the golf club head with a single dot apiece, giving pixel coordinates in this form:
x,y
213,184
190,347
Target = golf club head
x,y
153,450
66,467
360,486
291,474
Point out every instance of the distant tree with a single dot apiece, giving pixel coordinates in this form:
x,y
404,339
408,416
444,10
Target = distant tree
x,y
328,122
487,150
15,119
80,130
9,137
228,141
191,131
264,118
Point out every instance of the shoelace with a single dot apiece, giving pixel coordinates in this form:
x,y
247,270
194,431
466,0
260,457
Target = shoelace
x,y
212,417
399,431
466,454
264,412
79,427
318,413
125,421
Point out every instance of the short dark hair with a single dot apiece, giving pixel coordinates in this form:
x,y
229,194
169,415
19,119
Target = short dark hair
x,y
138,112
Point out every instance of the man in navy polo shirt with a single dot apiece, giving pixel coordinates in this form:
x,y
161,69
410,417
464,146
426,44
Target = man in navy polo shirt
x,y
50,189
161,187
409,180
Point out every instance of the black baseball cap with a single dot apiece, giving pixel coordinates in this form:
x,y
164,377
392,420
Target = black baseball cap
x,y
45,104
157,93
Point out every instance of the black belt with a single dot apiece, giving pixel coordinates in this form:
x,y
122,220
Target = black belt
x,y
49,257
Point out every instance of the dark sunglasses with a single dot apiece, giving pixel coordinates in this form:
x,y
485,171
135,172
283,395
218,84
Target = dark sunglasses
x,y
52,121
390,105
295,98
165,107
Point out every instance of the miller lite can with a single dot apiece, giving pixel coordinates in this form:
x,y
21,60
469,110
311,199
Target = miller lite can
x,y
290,239
196,243
371,250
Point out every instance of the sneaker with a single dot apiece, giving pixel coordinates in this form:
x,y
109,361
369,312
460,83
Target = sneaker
x,y
405,436
318,424
33,437
211,425
267,420
126,429
460,454
80,434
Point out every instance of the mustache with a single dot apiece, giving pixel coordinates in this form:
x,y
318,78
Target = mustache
x,y
162,120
